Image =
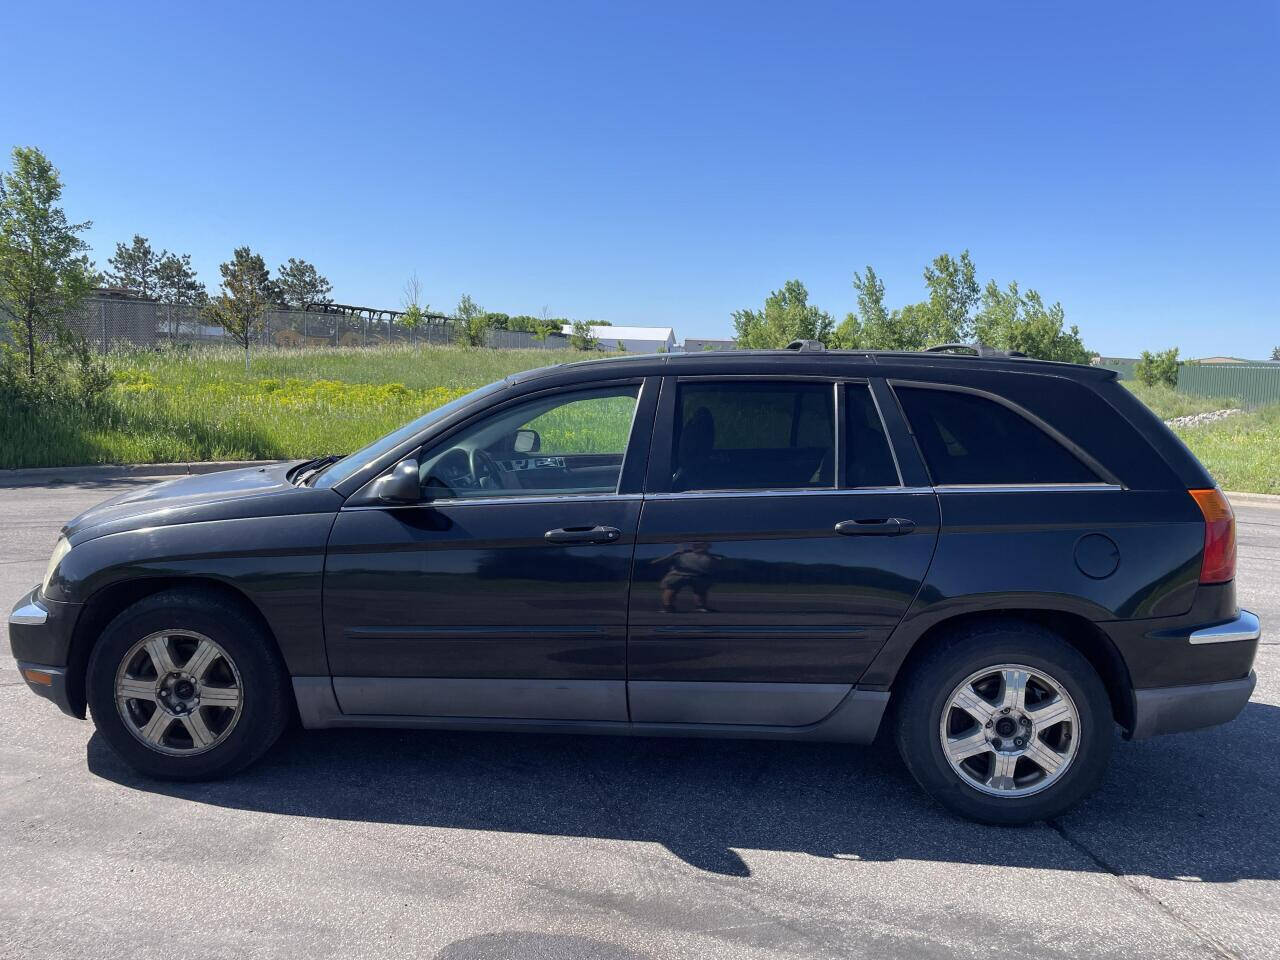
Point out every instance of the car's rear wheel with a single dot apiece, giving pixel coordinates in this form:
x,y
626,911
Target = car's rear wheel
x,y
1005,723
186,686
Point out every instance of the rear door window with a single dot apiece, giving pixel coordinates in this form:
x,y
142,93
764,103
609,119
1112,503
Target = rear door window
x,y
753,436
970,439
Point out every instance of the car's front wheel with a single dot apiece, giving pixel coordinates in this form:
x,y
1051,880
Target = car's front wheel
x,y
185,686
1005,723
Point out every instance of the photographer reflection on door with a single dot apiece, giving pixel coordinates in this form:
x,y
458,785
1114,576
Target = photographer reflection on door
x,y
691,566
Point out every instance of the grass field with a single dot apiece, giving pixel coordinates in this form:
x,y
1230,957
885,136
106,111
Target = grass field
x,y
200,405
1169,403
1242,452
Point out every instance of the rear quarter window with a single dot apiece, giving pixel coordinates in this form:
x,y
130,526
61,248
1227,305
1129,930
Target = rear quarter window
x,y
970,439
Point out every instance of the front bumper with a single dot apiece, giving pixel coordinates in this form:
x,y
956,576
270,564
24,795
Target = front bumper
x,y
40,637
40,629
48,682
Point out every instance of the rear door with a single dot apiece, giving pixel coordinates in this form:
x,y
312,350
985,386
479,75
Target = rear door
x,y
777,549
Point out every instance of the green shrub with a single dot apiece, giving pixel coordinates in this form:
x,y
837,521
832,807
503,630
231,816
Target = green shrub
x,y
1157,368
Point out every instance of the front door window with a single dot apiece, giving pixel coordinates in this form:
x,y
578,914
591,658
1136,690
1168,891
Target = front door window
x,y
568,443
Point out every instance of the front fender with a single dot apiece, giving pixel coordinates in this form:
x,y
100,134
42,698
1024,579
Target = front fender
x,y
276,563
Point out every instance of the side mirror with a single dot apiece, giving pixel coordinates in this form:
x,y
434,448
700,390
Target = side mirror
x,y
526,441
401,485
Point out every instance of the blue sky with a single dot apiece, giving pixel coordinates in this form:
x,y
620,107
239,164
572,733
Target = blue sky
x,y
653,163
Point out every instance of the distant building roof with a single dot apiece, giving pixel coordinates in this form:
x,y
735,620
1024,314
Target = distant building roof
x,y
1219,360
608,332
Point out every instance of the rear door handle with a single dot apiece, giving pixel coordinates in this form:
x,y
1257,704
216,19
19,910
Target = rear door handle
x,y
892,527
596,534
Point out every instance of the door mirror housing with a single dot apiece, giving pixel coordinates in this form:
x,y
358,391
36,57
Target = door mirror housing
x,y
401,485
526,441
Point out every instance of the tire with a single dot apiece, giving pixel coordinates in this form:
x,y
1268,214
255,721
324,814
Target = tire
x,y
215,705
1044,765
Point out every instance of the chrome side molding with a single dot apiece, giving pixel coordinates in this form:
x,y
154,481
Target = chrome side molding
x,y
1244,627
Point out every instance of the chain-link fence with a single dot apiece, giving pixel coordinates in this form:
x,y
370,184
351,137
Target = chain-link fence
x,y
109,323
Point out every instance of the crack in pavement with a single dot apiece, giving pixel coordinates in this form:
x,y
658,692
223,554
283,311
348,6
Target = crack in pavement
x,y
1215,946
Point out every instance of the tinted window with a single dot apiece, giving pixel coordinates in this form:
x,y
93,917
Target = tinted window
x,y
753,436
870,463
970,439
564,443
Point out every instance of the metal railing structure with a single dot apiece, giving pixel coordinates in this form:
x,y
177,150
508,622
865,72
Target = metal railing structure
x,y
113,322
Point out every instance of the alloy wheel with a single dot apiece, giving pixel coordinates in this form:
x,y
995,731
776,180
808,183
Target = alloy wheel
x,y
1010,730
179,692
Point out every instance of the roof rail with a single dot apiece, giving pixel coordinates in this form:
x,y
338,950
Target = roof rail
x,y
978,350
806,345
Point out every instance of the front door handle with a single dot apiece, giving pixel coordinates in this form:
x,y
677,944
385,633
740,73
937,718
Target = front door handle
x,y
596,534
892,527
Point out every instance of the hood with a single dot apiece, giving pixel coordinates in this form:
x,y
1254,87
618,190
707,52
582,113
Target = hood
x,y
227,494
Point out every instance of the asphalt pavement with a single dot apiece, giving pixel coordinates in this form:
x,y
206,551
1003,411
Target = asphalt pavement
x,y
459,846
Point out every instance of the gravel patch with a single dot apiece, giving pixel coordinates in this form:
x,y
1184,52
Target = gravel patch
x,y
1196,419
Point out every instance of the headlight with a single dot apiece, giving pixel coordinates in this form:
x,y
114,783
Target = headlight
x,y
60,551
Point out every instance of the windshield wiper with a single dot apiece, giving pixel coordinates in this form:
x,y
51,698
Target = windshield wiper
x,y
306,471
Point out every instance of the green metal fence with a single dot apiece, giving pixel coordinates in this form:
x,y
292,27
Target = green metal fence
x,y
1254,384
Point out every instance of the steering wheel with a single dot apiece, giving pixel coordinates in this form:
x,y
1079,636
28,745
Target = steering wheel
x,y
484,468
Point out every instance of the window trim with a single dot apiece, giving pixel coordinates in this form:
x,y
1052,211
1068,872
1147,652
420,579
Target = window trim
x,y
1105,477
495,501
786,492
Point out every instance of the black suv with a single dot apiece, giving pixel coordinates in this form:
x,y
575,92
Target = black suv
x,y
999,559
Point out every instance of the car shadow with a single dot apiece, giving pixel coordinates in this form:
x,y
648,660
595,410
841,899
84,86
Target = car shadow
x,y
1192,807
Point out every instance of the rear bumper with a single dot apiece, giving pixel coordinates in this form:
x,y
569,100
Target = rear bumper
x,y
1176,709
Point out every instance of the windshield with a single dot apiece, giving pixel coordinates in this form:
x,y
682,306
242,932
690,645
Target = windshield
x,y
348,465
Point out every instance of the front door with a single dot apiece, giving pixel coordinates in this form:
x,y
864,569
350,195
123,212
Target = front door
x,y
777,549
504,592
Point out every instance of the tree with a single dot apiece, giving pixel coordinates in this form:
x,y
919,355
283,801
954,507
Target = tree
x,y
134,267
871,321
300,285
176,285
243,299
1158,368
472,322
953,294
1275,353
545,325
415,313
583,337
44,273
786,316
176,281
414,316
1010,320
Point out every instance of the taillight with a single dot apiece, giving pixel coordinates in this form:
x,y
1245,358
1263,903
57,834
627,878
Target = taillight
x,y
1219,563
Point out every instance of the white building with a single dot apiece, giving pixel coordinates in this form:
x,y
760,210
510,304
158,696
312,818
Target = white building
x,y
632,339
